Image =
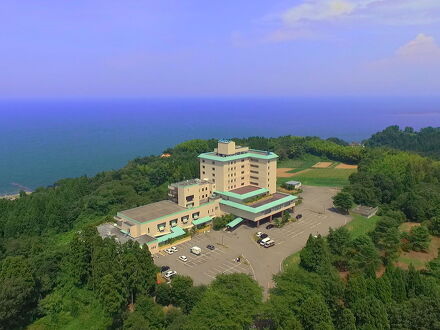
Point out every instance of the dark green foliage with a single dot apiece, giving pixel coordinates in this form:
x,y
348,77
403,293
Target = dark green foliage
x,y
386,236
18,295
370,313
346,320
219,223
426,141
419,238
314,314
315,256
230,302
434,226
343,201
364,257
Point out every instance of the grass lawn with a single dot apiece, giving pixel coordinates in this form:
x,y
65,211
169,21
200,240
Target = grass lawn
x,y
361,225
291,261
408,260
329,177
300,164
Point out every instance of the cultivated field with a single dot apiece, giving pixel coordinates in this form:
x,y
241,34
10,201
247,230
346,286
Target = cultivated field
x,y
343,166
322,165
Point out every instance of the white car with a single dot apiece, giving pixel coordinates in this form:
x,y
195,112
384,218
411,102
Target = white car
x,y
174,249
259,234
183,258
169,251
170,273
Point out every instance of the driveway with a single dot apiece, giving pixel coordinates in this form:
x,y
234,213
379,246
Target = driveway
x,y
259,262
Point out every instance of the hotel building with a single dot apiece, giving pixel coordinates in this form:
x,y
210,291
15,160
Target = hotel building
x,y
233,180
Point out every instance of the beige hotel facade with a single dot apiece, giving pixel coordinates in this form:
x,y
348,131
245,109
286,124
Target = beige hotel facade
x,y
233,180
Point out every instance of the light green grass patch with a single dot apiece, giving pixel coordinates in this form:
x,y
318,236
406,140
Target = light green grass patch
x,y
417,263
329,177
292,261
361,225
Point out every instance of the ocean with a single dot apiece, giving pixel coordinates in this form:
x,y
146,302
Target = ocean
x,y
46,140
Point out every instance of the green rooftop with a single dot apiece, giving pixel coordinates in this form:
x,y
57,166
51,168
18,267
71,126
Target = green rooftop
x,y
243,196
251,154
201,221
234,222
260,208
175,232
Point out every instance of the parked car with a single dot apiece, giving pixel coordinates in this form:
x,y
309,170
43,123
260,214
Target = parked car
x,y
264,240
170,274
174,249
164,268
210,247
259,241
259,234
268,244
169,251
196,250
270,226
263,236
183,258
299,216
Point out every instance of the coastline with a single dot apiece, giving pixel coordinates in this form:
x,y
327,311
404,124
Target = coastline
x,y
12,197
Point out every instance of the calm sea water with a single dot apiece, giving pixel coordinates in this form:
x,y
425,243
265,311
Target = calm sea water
x,y
45,140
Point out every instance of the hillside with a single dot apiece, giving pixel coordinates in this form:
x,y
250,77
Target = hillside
x,y
426,141
58,273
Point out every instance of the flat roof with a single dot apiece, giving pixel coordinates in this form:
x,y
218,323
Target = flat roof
x,y
260,206
190,182
201,220
109,230
244,190
151,211
234,222
293,182
243,195
251,153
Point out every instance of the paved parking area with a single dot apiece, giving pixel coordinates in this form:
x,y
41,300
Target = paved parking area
x,y
204,268
259,262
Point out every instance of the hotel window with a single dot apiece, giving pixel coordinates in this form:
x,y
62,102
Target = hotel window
x,y
213,168
242,166
254,183
213,174
242,177
161,226
203,166
254,177
253,165
203,160
255,172
195,215
203,172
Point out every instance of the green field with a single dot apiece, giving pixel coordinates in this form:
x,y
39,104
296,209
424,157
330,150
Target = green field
x,y
330,177
361,225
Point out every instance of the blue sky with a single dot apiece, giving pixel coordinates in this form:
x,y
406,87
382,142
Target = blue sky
x,y
139,48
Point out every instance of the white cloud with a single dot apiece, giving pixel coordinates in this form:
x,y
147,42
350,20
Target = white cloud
x,y
422,47
306,18
322,10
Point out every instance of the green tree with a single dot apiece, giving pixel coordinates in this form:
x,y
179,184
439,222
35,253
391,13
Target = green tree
x,y
346,320
364,257
315,256
434,226
343,201
370,313
110,292
18,294
314,314
419,238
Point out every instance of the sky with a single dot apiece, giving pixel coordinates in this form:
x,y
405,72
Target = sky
x,y
199,48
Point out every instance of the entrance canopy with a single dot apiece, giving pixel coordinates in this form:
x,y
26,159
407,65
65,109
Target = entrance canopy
x,y
234,222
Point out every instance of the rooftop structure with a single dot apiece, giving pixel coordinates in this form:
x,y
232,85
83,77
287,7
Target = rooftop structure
x,y
230,167
150,212
365,211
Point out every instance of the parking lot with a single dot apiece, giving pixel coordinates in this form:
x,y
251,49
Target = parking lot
x,y
204,267
261,263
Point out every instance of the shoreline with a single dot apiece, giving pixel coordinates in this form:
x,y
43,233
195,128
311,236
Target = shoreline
x,y
12,197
